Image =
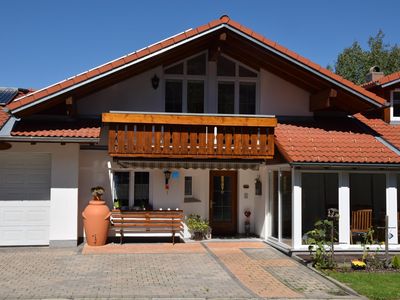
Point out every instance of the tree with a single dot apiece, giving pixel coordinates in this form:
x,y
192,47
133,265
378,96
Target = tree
x,y
354,62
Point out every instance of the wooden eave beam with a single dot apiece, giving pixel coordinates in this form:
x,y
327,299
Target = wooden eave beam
x,y
322,99
188,120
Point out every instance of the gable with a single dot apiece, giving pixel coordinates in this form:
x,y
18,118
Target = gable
x,y
219,36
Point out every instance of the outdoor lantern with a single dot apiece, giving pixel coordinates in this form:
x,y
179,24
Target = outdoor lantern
x,y
167,175
155,81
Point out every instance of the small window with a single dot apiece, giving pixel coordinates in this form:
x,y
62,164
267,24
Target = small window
x,y
396,103
175,70
121,188
226,97
244,72
195,96
247,98
173,96
197,65
225,67
188,186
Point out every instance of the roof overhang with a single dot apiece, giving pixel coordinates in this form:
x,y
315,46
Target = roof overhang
x,y
150,55
350,166
391,83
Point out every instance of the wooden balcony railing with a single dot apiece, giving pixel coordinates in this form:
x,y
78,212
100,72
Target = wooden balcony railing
x,y
188,136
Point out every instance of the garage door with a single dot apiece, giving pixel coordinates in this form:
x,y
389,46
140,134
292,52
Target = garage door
x,y
24,198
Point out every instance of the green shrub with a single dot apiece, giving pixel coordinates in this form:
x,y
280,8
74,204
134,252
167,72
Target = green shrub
x,y
320,244
396,262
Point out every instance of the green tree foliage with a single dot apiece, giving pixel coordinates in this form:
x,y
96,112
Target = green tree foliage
x,y
354,62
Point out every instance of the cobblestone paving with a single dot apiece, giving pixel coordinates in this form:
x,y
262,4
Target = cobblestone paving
x,y
62,274
209,270
293,274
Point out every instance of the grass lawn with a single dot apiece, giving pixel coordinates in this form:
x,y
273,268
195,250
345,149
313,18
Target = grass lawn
x,y
372,285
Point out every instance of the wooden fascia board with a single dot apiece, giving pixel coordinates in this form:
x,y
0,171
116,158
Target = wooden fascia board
x,y
188,120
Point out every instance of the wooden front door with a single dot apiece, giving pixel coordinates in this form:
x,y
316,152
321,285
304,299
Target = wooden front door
x,y
223,202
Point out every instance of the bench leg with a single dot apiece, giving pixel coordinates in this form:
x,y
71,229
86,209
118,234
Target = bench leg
x,y
173,237
120,236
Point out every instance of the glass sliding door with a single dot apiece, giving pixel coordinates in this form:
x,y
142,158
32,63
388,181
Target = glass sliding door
x,y
286,206
281,206
274,204
319,193
367,206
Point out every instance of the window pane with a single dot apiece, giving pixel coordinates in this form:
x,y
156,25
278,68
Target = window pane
x,y
173,96
121,188
286,196
398,207
367,192
225,67
319,193
142,189
396,104
177,69
226,98
195,96
247,98
197,65
244,72
274,205
188,186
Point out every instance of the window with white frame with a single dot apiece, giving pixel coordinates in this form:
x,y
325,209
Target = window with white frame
x,y
395,104
132,189
237,87
185,84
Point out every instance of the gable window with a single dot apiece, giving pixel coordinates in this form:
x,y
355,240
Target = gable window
x,y
237,87
395,104
185,85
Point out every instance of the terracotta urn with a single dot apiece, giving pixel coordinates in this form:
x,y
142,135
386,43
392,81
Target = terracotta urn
x,y
96,220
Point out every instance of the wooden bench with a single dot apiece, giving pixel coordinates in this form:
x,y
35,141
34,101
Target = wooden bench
x,y
155,221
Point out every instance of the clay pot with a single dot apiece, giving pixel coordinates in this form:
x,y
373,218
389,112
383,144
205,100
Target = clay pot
x,y
96,220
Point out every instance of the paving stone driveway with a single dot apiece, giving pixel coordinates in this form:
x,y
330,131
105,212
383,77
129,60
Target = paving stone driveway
x,y
194,270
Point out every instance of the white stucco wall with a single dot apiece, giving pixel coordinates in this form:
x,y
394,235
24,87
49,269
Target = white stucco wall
x,y
276,95
282,98
94,170
64,189
132,94
260,202
246,198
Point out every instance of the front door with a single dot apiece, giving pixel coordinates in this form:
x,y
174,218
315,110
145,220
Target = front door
x,y
223,202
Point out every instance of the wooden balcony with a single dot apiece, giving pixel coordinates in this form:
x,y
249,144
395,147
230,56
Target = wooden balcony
x,y
190,136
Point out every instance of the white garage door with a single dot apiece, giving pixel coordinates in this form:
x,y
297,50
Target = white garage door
x,y
24,198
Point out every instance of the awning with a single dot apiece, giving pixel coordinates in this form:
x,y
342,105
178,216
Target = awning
x,y
187,164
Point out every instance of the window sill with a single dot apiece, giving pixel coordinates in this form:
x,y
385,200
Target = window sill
x,y
191,200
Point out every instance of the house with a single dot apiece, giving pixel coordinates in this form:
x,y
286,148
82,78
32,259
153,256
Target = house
x,y
237,121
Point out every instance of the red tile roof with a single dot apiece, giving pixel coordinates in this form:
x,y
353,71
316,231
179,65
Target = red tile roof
x,y
3,117
224,20
331,141
76,129
381,81
389,132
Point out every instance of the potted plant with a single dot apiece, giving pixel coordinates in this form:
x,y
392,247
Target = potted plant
x,y
198,227
96,218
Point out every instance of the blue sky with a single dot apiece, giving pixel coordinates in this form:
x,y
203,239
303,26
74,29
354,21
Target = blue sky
x,y
45,41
